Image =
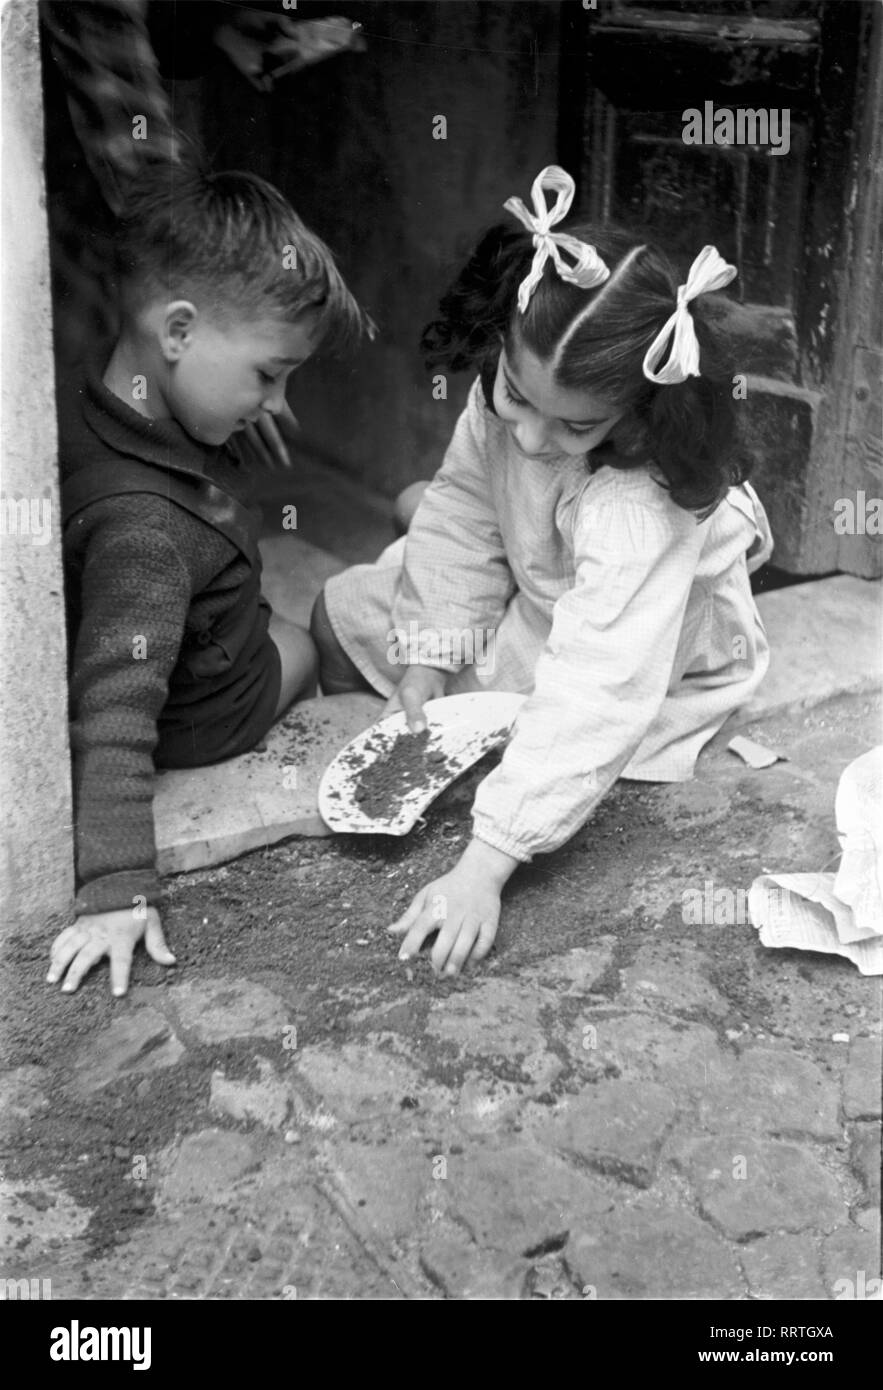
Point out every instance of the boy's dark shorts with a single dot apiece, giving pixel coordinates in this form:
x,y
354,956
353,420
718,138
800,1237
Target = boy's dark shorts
x,y
209,719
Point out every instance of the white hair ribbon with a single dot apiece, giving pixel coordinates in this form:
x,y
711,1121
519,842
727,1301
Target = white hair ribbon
x,y
708,272
588,269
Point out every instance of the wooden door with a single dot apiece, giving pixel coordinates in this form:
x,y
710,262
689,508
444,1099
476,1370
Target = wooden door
x,y
797,221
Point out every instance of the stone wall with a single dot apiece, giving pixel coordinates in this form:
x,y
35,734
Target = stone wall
x,y
36,867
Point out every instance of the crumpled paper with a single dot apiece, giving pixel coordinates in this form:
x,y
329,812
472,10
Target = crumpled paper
x,y
842,913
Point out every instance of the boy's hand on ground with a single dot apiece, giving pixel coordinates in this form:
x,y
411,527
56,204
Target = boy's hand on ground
x,y
418,684
114,934
463,906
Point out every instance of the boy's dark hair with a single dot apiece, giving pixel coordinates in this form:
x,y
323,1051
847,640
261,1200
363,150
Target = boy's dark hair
x,y
596,340
231,242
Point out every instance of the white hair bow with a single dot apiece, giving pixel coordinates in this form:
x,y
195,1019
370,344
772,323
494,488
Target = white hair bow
x,y
589,270
708,272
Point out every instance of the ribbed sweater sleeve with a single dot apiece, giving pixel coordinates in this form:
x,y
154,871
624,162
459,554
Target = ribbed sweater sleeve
x,y
136,583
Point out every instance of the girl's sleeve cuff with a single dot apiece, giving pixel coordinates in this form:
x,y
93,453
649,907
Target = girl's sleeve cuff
x,y
484,829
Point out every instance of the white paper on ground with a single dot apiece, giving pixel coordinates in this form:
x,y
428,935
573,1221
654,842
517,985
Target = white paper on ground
x,y
754,754
842,913
858,807
800,911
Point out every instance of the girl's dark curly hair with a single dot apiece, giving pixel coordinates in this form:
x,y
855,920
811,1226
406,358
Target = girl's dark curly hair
x,y
596,340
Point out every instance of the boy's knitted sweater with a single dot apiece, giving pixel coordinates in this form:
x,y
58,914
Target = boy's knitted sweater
x,y
151,588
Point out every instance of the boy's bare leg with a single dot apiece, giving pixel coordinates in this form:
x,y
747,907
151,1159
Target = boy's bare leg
x,y
300,662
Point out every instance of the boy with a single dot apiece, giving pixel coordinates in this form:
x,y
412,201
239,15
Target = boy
x,y
176,659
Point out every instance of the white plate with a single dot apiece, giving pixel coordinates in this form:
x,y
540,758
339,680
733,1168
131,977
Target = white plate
x,y
463,727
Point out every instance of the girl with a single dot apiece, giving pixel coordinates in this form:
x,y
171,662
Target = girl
x,y
591,516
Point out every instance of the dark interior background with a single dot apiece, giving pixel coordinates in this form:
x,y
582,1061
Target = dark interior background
x,y
350,142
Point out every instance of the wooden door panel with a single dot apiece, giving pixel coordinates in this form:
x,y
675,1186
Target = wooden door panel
x,y
859,549
741,199
782,219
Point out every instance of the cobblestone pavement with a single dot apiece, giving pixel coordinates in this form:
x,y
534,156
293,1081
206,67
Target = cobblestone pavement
x,y
650,1113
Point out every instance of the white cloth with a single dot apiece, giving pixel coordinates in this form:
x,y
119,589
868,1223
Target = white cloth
x,y
632,625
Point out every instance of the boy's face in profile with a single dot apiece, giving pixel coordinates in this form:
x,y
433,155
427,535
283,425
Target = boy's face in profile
x,y
224,375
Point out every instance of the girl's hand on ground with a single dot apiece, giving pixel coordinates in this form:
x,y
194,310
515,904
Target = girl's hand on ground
x,y
418,684
113,934
465,915
463,906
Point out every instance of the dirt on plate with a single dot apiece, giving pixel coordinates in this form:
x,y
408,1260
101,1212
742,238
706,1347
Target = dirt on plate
x,y
405,762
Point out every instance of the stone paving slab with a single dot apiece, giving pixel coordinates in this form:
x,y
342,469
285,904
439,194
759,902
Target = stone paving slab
x,y
460,1269
862,1083
137,1043
613,1127
652,1250
748,1187
784,1266
294,574
772,1091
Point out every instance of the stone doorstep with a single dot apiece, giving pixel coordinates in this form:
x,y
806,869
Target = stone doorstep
x,y
294,574
825,640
